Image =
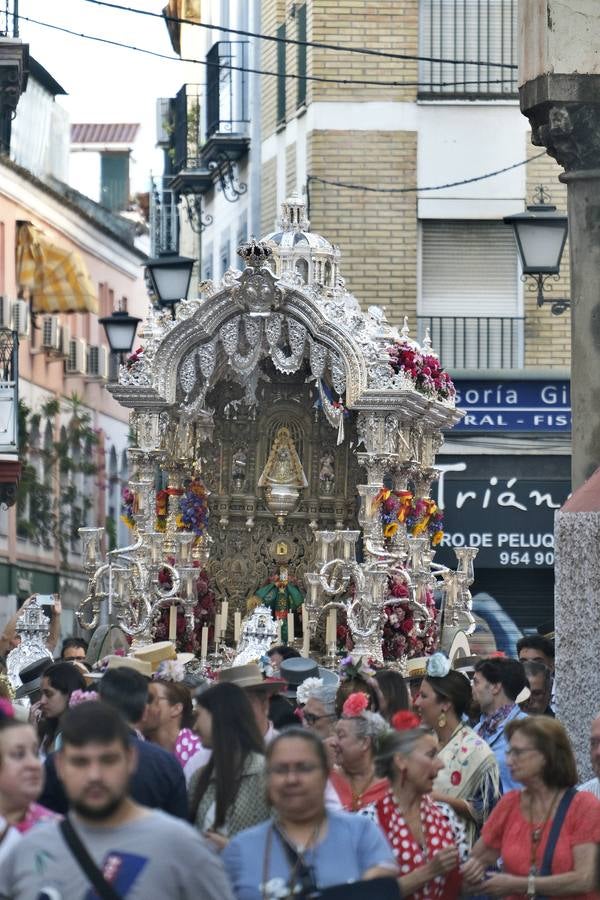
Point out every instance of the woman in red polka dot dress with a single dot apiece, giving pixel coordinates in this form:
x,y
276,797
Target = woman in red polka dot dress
x,y
427,838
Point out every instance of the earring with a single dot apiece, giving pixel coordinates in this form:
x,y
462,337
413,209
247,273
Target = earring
x,y
441,722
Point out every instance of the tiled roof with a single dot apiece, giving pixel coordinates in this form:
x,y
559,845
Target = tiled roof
x,y
104,133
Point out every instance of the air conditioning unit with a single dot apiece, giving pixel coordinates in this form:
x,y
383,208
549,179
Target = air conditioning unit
x,y
50,334
64,334
97,362
21,317
5,312
76,363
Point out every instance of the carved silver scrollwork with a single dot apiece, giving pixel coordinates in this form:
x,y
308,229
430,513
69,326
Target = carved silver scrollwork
x,y
187,374
229,334
288,364
318,359
273,328
207,357
338,375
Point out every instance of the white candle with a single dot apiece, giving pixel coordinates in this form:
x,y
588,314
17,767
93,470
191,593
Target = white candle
x,y
278,631
217,625
305,632
224,615
290,628
172,623
237,626
204,643
331,630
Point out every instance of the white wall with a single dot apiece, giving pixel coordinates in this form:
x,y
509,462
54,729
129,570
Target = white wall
x,y
40,133
84,172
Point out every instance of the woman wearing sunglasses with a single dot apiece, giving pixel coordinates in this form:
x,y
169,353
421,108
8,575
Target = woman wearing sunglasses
x,y
547,833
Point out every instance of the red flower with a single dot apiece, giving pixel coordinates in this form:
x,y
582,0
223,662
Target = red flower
x,y
456,778
405,720
355,705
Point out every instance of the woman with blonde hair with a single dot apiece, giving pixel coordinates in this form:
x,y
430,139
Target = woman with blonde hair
x,y
546,833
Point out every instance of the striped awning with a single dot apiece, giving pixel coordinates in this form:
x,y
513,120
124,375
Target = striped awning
x,y
57,279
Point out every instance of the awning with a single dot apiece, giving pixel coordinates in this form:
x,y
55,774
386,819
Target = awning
x,y
57,279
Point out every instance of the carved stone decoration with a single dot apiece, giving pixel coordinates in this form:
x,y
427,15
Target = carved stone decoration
x,y
569,132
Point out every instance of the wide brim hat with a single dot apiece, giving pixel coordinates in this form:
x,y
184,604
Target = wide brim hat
x,y
31,676
297,669
416,668
250,677
161,651
129,662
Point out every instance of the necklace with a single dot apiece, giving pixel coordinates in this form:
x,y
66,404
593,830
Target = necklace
x,y
538,830
357,795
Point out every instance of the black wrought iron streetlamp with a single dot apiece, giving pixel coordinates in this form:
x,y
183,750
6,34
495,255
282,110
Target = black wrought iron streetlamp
x,y
541,234
170,275
120,330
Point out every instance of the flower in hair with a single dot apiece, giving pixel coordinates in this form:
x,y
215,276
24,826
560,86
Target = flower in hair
x,y
405,720
6,709
78,697
306,689
438,665
170,670
355,705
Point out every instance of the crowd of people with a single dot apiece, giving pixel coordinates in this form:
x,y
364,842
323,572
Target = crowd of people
x,y
286,779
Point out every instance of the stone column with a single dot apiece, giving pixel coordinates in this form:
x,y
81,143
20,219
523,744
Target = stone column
x,y
559,38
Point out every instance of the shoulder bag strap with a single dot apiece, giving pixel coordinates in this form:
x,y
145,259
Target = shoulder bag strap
x,y
557,823
104,890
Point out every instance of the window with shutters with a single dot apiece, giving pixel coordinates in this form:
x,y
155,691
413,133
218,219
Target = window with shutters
x,y
301,36
477,39
470,294
281,79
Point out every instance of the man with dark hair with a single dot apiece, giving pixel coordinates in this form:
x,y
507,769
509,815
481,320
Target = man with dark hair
x,y
539,679
134,849
158,780
536,648
497,683
74,649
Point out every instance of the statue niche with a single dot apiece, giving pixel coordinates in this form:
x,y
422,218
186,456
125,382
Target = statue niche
x,y
283,477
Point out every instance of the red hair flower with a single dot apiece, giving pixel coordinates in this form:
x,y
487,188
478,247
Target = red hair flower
x,y
405,720
456,778
355,705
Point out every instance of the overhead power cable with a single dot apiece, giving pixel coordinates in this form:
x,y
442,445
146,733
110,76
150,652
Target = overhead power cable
x,y
294,41
416,190
221,65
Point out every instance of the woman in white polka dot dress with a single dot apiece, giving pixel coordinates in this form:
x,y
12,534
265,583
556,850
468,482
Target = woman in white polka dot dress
x,y
427,838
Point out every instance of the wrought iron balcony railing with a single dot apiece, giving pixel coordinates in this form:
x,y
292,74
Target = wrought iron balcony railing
x,y
226,88
475,342
187,139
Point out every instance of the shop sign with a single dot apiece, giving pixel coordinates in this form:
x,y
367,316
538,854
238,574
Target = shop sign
x,y
510,520
535,406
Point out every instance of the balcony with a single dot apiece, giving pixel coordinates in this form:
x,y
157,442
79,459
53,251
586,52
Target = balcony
x,y
190,174
469,342
226,103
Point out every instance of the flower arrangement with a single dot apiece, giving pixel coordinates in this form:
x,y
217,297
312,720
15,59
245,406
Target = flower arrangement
x,y
399,638
423,369
355,705
350,670
194,507
134,357
127,507
420,514
204,614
